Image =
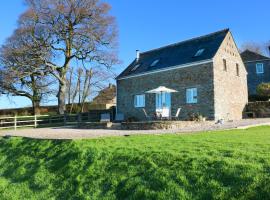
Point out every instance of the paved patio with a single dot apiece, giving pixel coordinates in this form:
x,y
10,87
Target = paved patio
x,y
72,133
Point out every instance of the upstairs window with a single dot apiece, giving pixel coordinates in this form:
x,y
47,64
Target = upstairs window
x,y
154,63
199,53
136,67
191,95
259,68
224,65
237,69
139,101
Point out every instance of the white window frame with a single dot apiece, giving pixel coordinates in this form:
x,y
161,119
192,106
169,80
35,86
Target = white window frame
x,y
261,71
191,95
139,101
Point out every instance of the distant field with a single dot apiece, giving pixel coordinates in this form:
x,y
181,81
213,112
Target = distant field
x,y
214,165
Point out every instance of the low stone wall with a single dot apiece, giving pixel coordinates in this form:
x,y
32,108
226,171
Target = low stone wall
x,y
151,125
95,125
260,109
162,125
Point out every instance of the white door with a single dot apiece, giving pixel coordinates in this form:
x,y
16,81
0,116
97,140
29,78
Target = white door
x,y
163,104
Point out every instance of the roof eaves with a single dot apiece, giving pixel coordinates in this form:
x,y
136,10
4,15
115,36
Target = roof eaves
x,y
259,60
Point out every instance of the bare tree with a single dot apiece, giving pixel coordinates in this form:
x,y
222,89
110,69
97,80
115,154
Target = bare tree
x,y
22,73
85,83
268,48
69,83
86,88
79,30
260,48
75,89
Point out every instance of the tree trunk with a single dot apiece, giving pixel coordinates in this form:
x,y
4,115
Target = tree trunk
x,y
36,98
63,79
62,98
70,85
62,91
36,107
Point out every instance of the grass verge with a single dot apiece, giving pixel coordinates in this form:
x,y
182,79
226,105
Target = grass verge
x,y
215,165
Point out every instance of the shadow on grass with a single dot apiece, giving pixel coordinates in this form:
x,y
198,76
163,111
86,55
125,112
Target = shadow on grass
x,y
66,169
43,164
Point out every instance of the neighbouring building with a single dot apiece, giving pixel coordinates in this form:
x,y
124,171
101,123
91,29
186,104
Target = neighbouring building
x,y
258,68
207,73
105,99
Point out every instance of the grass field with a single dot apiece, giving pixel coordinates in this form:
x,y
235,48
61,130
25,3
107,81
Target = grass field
x,y
216,165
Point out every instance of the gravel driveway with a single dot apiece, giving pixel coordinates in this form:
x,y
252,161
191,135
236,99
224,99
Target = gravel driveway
x,y
72,133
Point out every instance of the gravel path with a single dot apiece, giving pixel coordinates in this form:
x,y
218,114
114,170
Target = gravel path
x,y
72,133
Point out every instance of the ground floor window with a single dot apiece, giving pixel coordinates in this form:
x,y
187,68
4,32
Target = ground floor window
x,y
259,68
191,95
139,101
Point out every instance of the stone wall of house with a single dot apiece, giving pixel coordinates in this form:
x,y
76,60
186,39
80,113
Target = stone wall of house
x,y
200,76
255,79
231,94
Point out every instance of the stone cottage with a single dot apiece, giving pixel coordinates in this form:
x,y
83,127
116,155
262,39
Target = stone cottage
x,y
258,68
206,74
106,99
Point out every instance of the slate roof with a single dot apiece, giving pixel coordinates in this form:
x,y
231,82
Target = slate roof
x,y
177,54
248,55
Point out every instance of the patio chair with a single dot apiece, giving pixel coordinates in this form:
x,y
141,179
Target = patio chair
x,y
176,114
146,115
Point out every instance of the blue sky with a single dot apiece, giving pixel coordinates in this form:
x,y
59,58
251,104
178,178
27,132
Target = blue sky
x,y
148,24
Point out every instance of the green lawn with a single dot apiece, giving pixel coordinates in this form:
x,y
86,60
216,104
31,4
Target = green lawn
x,y
214,165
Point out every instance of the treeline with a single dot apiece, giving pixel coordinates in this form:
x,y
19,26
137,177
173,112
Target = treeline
x,y
52,110
64,48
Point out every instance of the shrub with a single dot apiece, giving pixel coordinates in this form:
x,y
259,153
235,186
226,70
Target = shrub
x,y
264,89
253,98
132,119
196,117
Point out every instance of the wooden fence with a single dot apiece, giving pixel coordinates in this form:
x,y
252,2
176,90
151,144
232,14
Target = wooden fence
x,y
47,120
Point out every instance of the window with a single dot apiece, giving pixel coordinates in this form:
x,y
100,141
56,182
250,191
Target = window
x,y
136,67
224,65
199,52
191,95
259,68
139,101
154,63
237,69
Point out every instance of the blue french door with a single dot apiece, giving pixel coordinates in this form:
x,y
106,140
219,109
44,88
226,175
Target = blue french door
x,y
163,104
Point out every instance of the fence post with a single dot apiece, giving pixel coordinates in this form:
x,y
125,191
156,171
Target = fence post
x,y
50,120
15,122
65,119
35,121
79,119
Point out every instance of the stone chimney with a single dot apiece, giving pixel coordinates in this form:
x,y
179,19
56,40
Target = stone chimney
x,y
137,55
